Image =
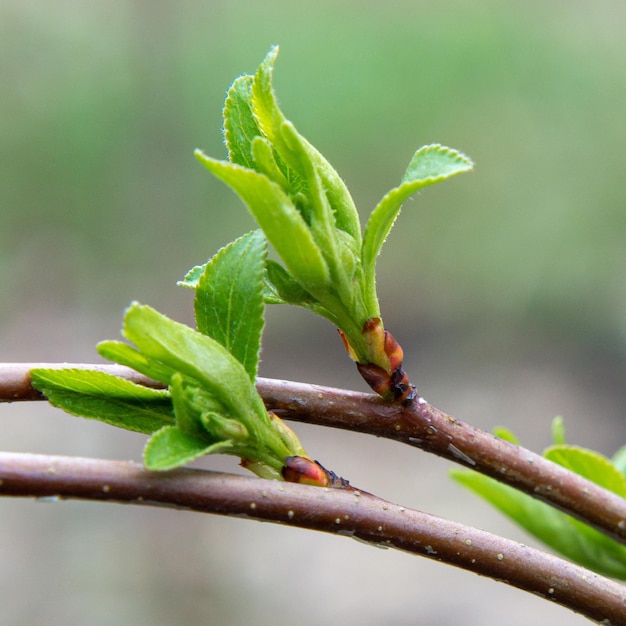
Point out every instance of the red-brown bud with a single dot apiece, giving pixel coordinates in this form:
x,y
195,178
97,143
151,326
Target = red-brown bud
x,y
298,469
383,373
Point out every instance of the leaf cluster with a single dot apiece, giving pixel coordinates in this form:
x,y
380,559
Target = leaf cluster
x,y
211,404
307,213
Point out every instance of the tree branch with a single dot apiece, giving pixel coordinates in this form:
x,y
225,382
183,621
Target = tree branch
x,y
419,424
352,513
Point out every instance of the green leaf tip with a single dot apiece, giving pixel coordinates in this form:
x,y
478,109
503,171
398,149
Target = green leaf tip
x,y
170,448
433,163
429,165
240,127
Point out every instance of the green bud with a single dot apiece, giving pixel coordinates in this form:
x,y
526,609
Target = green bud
x,y
224,428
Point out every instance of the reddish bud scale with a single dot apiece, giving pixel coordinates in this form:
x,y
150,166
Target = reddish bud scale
x,y
376,377
347,345
394,351
374,326
402,389
395,387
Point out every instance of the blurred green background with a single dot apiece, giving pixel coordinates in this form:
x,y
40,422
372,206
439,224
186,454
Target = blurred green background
x,y
506,287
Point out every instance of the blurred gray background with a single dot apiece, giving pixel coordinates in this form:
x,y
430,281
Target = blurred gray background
x,y
506,287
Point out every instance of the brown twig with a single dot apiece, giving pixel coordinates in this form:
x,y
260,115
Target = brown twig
x,y
351,513
418,424
424,426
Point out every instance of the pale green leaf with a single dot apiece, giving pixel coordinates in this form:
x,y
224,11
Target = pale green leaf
x,y
558,431
430,164
194,355
589,464
566,535
225,428
282,288
240,127
109,399
281,222
122,353
192,277
229,299
300,155
169,448
264,106
265,163
189,403
506,434
434,163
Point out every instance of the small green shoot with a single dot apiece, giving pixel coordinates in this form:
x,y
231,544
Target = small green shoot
x,y
308,215
211,404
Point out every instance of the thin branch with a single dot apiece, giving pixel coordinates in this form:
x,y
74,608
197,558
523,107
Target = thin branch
x,y
352,513
419,424
424,426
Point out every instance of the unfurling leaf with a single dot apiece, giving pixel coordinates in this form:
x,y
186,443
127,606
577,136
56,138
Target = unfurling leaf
x,y
282,288
429,165
240,127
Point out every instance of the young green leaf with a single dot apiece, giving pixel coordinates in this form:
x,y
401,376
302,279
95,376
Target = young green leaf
x,y
558,431
266,163
320,215
281,222
301,156
192,277
589,464
109,399
164,341
309,217
226,428
282,288
429,165
506,434
170,448
189,402
566,535
229,299
240,127
122,353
